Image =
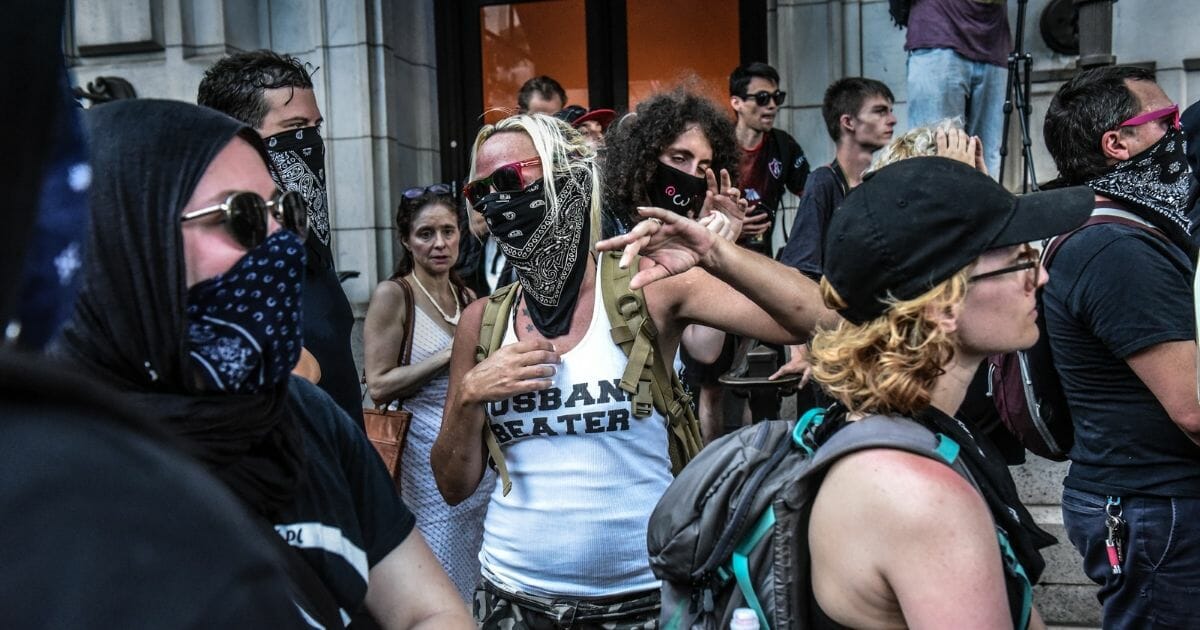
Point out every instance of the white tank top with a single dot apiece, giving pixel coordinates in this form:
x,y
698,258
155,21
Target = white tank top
x,y
585,476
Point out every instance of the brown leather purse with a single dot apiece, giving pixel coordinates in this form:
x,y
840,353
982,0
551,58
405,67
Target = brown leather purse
x,y
388,429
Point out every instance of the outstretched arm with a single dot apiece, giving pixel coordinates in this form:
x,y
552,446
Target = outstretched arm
x,y
670,245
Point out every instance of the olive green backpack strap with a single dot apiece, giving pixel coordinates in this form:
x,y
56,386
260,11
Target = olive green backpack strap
x,y
649,378
492,328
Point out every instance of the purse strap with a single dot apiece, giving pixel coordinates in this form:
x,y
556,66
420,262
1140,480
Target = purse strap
x,y
410,313
405,356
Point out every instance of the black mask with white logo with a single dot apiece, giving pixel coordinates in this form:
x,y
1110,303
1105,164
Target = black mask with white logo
x,y
675,190
549,252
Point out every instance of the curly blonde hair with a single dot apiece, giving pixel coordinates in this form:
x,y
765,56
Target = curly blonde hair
x,y
916,142
890,364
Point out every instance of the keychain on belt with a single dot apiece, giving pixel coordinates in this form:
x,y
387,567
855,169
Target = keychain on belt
x,y
1116,533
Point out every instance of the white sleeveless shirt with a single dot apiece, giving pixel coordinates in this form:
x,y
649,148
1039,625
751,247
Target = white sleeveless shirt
x,y
585,476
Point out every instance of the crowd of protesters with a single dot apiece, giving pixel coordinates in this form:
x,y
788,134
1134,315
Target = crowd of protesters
x,y
174,275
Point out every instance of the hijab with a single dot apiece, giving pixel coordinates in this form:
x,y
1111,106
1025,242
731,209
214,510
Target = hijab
x,y
129,324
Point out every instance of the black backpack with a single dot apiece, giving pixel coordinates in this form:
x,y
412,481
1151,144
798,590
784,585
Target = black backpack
x,y
1025,386
732,529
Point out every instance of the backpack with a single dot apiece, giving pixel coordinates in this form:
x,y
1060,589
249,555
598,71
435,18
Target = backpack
x,y
1024,384
732,529
649,380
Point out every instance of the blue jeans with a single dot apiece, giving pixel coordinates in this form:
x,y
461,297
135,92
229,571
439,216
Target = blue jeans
x,y
944,84
1159,584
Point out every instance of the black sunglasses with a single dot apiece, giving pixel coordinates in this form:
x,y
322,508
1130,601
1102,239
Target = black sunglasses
x,y
506,178
246,216
764,97
433,189
1025,264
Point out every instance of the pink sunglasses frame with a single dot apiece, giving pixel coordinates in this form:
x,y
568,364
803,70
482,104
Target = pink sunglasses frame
x,y
1154,115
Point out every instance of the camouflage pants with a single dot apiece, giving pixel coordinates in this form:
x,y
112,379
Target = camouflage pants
x,y
500,610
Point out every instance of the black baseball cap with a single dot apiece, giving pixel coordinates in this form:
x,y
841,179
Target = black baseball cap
x,y
917,222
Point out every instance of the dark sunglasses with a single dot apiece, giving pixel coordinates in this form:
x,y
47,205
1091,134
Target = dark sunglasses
x,y
1158,114
433,189
764,97
506,178
246,216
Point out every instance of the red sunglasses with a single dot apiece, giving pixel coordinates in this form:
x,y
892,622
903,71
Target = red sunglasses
x,y
1172,111
506,178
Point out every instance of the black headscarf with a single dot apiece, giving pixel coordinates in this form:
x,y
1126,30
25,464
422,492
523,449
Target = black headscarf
x,y
129,325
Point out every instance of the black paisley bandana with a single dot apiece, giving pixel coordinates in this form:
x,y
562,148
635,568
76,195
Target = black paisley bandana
x,y
298,163
1155,185
549,255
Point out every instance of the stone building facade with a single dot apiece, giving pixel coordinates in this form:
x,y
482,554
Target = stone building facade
x,y
377,83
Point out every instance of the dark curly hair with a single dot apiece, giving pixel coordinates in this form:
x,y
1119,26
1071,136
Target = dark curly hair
x,y
235,84
633,147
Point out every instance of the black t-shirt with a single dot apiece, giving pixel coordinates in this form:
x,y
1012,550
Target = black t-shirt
x,y
103,527
328,321
1115,290
347,515
785,166
823,193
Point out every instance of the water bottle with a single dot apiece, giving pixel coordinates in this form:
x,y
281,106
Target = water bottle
x,y
744,619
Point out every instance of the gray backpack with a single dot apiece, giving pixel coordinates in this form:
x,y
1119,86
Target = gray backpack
x,y
732,529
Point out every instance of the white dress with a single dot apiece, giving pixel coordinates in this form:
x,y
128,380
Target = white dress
x,y
454,533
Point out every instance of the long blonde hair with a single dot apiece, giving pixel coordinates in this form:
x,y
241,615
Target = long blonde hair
x,y
563,152
890,364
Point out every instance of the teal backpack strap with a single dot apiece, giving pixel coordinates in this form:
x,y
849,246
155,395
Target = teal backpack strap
x,y
492,328
740,563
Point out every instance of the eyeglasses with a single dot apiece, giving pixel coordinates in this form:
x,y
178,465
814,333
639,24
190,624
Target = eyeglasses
x,y
764,97
506,178
1172,111
246,215
1029,260
433,189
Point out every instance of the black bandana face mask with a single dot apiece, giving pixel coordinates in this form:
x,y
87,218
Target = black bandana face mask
x,y
1156,185
298,163
244,326
549,256
675,190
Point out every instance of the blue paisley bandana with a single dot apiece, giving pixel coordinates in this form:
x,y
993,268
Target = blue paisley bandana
x,y
244,326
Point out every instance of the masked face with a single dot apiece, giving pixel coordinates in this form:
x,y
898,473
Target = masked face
x,y
1156,184
548,253
244,326
673,189
298,163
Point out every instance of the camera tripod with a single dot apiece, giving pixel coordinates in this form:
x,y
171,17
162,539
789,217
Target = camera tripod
x,y
1016,96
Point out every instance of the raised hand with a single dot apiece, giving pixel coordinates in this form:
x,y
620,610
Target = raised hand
x,y
724,199
672,244
956,145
